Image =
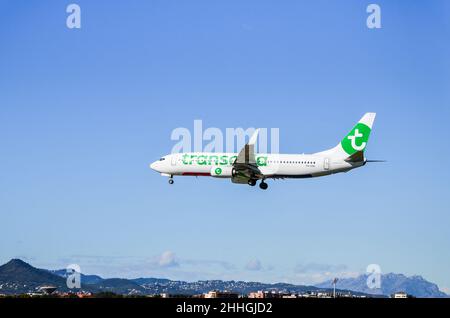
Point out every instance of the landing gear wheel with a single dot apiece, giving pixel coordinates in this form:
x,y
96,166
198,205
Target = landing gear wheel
x,y
170,181
263,185
252,183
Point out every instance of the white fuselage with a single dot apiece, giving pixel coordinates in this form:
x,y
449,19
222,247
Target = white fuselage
x,y
270,165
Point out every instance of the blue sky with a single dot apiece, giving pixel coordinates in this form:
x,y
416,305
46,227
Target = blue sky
x,y
83,113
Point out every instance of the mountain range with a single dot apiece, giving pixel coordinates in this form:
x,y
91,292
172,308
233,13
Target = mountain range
x,y
391,283
19,277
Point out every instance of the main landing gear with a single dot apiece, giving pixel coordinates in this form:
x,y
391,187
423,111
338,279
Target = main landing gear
x,y
171,180
263,185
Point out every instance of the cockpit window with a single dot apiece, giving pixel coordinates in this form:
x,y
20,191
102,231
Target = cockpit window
x,y
162,159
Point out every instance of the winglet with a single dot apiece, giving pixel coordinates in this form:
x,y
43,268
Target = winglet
x,y
254,137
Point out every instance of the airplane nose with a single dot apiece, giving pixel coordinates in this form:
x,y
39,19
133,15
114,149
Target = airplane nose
x,y
153,166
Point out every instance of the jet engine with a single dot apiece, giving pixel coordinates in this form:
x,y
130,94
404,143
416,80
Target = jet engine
x,y
222,172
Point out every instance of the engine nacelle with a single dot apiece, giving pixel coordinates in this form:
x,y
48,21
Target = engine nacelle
x,y
222,172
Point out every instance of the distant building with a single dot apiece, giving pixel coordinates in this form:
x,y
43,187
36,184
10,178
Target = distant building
x,y
323,295
47,290
400,295
266,294
83,294
221,294
258,294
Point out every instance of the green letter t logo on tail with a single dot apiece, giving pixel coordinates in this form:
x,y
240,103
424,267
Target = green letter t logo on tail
x,y
357,139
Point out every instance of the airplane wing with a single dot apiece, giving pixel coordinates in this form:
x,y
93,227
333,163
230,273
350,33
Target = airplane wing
x,y
245,166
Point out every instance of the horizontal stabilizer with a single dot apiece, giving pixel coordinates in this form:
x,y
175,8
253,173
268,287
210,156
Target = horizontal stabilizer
x,y
356,157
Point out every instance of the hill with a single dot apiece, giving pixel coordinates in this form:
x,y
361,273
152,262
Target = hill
x,y
390,283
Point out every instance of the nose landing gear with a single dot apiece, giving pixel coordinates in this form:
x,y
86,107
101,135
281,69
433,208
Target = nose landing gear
x,y
171,180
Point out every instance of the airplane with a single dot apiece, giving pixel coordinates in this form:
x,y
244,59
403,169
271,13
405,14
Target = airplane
x,y
247,167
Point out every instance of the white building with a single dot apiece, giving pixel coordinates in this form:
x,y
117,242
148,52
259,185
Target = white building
x,y
400,295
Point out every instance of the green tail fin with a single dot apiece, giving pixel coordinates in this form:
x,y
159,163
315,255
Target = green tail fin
x,y
356,140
